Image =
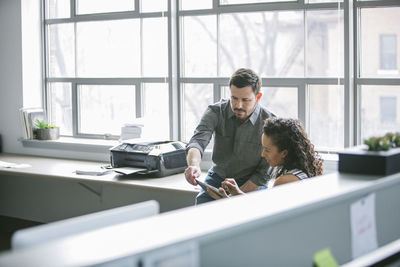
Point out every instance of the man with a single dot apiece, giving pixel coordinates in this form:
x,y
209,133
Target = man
x,y
237,125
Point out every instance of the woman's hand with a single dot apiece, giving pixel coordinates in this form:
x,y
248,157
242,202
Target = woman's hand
x,y
215,196
231,186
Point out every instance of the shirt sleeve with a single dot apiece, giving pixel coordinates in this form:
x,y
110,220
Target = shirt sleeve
x,y
204,131
261,175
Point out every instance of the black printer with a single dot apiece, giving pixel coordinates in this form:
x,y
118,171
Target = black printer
x,y
159,158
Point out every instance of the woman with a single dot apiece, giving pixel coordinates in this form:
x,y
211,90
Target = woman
x,y
289,152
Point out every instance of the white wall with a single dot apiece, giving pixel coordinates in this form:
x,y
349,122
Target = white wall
x,y
10,73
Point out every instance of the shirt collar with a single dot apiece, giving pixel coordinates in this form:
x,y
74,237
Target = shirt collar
x,y
254,116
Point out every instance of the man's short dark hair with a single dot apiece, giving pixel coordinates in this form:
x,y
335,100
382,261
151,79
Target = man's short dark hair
x,y
245,77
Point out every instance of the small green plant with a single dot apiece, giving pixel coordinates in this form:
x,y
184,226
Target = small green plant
x,y
394,138
40,124
386,142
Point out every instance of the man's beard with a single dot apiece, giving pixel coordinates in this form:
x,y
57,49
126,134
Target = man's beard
x,y
240,118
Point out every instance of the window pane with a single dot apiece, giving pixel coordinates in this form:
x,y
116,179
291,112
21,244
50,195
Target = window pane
x,y
230,2
108,48
153,5
195,4
324,43
56,9
282,101
377,51
388,52
61,50
103,6
194,106
199,53
156,110
225,92
322,1
155,47
103,109
270,43
380,110
327,116
59,96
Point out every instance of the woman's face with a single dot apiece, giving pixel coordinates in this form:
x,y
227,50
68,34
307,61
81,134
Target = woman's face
x,y
271,152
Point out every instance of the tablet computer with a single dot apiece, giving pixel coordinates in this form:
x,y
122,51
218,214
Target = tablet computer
x,y
212,188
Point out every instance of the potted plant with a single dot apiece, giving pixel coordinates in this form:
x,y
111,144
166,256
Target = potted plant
x,y
378,155
45,131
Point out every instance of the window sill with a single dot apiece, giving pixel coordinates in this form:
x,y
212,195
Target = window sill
x,y
73,144
103,147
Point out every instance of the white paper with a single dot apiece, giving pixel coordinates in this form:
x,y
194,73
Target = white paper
x,y
128,170
92,170
363,226
4,164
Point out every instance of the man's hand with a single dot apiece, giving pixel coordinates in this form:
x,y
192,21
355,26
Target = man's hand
x,y
193,159
249,186
191,173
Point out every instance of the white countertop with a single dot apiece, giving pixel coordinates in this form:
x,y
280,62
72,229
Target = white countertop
x,y
64,169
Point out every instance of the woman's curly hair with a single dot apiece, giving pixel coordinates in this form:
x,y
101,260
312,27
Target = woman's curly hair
x,y
289,134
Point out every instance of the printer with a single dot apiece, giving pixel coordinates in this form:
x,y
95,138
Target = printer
x,y
158,158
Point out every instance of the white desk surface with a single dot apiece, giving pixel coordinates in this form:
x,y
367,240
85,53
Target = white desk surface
x,y
63,169
194,222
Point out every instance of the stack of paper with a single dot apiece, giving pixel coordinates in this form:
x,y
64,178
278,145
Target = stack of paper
x,y
92,170
28,117
131,131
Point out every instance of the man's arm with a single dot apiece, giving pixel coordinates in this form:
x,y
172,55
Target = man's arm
x,y
193,160
259,178
193,157
249,186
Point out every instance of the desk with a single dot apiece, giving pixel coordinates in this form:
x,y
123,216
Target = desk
x,y
49,190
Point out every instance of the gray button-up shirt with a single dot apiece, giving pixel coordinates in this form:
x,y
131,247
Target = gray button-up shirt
x,y
237,146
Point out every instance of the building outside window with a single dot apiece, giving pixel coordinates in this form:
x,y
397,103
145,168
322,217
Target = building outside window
x,y
388,109
388,52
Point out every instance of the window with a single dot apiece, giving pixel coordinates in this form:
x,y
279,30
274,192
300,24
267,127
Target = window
x,y
298,52
165,61
388,52
378,83
378,42
379,110
388,110
106,65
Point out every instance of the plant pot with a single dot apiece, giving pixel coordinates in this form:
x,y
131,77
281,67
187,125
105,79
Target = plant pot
x,y
360,160
47,134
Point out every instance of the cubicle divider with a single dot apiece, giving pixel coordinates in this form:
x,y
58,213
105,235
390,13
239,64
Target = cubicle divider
x,y
283,226
34,236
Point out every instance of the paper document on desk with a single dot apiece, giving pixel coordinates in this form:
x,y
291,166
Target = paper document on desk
x,y
92,170
4,164
128,170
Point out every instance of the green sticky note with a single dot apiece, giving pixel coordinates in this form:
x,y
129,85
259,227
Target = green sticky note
x,y
324,258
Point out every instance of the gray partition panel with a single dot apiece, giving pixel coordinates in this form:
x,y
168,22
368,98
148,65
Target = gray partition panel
x,y
283,226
